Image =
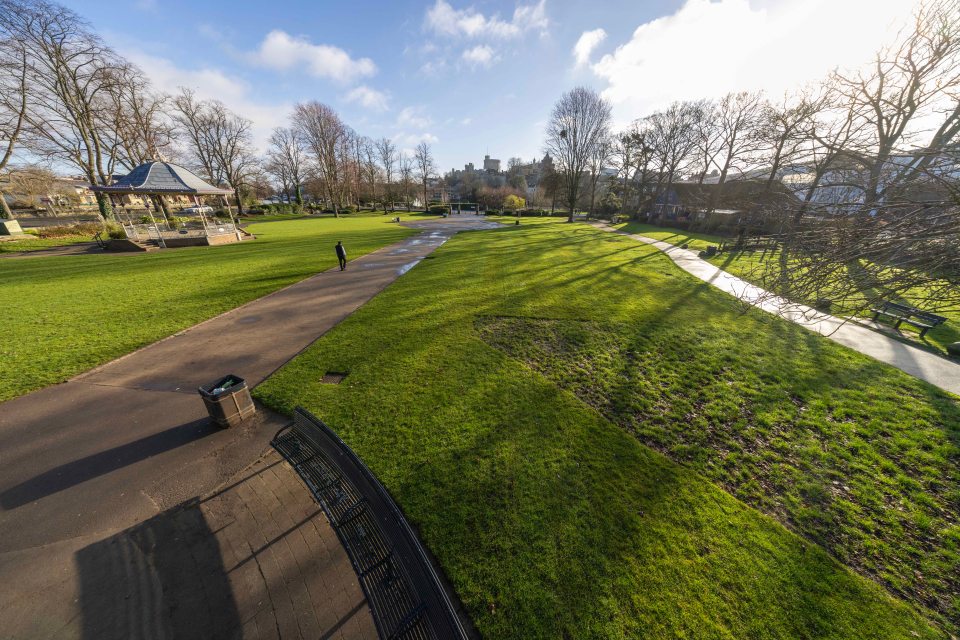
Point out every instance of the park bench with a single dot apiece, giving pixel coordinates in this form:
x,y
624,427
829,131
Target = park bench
x,y
922,320
405,594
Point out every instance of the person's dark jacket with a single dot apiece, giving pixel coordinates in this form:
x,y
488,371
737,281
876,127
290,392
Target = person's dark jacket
x,y
341,251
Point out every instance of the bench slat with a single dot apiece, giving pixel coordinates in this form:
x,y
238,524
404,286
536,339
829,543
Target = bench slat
x,y
405,594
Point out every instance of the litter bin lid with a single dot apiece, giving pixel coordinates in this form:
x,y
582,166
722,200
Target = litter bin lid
x,y
226,384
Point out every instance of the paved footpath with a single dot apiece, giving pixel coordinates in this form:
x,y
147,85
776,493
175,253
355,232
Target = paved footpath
x,y
936,370
78,249
109,484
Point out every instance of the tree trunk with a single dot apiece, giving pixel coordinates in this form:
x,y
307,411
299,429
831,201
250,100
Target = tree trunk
x,y
104,206
5,211
236,194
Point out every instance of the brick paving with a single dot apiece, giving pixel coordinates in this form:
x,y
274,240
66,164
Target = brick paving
x,y
256,558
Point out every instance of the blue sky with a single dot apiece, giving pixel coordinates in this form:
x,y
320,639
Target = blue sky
x,y
476,77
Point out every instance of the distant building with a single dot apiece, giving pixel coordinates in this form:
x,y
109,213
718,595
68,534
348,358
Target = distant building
x,y
491,165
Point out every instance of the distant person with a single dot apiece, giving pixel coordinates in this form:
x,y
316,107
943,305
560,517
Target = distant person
x,y
341,255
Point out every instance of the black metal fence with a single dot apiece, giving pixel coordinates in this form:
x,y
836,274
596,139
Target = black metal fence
x,y
405,594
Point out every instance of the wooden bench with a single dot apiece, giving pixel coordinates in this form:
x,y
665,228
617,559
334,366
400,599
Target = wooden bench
x,y
922,320
406,596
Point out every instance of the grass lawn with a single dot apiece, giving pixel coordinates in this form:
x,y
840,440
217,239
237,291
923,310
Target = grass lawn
x,y
696,241
64,315
595,444
746,265
18,246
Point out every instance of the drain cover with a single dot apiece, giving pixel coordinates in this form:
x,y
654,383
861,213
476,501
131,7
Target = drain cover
x,y
333,377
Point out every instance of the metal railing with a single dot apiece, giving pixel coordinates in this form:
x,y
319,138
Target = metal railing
x,y
406,596
140,232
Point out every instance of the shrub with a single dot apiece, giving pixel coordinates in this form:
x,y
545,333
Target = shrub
x,y
66,230
439,208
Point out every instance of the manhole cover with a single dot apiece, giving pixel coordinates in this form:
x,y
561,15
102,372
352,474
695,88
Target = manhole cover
x,y
333,377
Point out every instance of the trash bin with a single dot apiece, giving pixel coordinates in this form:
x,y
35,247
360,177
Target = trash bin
x,y
228,401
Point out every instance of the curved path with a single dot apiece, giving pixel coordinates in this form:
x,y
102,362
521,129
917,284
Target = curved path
x,y
929,367
124,513
76,249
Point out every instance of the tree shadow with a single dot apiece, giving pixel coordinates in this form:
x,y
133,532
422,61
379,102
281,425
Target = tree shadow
x,y
101,463
163,578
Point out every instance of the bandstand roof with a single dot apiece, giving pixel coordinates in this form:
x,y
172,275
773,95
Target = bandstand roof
x,y
162,178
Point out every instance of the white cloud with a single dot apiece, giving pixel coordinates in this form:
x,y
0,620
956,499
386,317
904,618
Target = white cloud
x,y
209,83
433,67
368,98
588,41
413,118
711,47
443,19
410,140
480,55
281,51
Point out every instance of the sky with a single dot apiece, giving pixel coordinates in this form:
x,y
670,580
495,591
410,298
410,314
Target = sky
x,y
476,77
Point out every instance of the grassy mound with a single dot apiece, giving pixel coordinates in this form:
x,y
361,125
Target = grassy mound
x,y
554,521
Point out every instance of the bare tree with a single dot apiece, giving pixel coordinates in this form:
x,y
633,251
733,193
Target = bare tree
x,y
232,148
673,140
370,167
218,142
707,137
425,168
329,143
916,79
739,118
14,95
190,116
579,123
405,167
874,171
142,127
387,156
781,132
36,185
598,159
287,160
71,74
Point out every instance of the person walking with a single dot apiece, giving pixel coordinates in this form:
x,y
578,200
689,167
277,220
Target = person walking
x,y
341,255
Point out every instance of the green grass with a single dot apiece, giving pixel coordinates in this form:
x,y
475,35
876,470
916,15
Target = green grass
x,y
748,265
696,241
18,246
556,408
64,315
